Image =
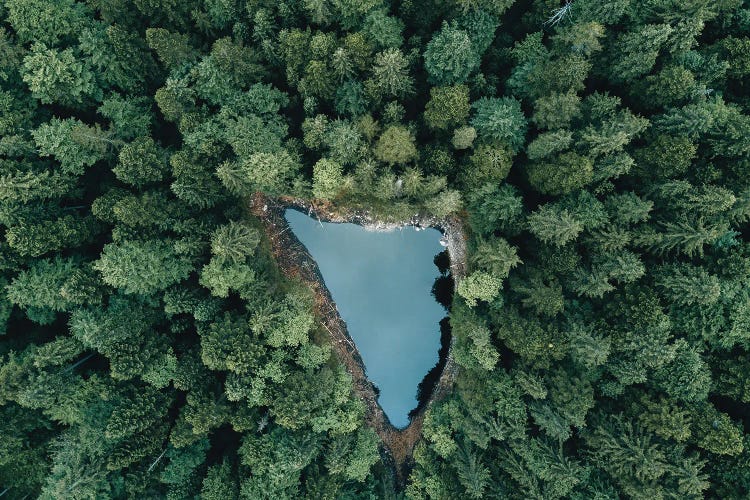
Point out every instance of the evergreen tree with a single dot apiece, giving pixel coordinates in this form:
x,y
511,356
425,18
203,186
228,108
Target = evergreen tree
x,y
450,57
500,120
142,267
447,107
59,77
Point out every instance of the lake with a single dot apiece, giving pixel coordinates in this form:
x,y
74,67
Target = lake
x,y
381,283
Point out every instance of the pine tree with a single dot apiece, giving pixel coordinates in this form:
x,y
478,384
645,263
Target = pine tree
x,y
450,56
142,267
554,225
500,120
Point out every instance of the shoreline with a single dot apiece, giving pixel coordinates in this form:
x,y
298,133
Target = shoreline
x,y
295,262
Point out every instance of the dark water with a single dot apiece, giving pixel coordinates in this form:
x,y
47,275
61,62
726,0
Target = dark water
x,y
382,285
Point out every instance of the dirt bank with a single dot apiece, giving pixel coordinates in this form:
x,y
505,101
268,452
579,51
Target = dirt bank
x,y
296,262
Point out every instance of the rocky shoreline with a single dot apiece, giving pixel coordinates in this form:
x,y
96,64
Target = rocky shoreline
x,y
296,262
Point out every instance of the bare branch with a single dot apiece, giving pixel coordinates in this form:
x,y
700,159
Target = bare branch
x,y
157,460
559,14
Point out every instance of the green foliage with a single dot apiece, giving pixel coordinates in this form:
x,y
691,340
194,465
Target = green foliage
x,y
269,172
636,51
230,345
736,50
500,120
673,85
219,483
327,179
717,433
554,225
47,22
234,241
556,110
59,77
395,146
331,409
686,285
473,341
129,117
488,164
390,74
383,30
450,57
496,256
173,49
142,266
56,285
479,285
668,156
480,24
549,143
565,173
220,276
344,142
140,163
492,206
637,461
463,137
686,378
351,99
38,239
444,203
447,107
72,143
596,151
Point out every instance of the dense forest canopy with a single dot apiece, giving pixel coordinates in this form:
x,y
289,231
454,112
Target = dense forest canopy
x,y
599,151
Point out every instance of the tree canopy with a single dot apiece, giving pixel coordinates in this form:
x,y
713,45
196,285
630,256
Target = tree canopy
x,y
597,153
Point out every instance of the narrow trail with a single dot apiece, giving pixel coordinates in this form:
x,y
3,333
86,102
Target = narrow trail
x,y
295,262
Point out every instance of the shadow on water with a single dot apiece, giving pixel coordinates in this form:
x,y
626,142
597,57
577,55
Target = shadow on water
x,y
427,385
443,262
442,290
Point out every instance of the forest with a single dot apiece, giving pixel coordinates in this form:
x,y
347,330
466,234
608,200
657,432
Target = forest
x,y
597,150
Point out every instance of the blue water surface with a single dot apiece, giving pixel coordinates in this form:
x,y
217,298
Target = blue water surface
x,y
381,283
